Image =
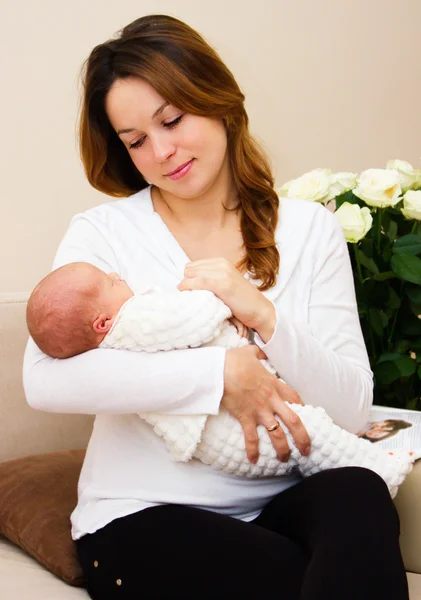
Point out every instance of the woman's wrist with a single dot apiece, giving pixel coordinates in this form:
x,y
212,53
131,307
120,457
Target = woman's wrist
x,y
265,323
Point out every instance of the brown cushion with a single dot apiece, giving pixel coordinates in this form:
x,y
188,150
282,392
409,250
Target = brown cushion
x,y
37,495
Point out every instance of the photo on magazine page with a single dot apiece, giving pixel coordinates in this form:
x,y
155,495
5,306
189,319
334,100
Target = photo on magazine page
x,y
393,428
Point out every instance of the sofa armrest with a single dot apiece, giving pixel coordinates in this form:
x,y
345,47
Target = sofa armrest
x,y
23,430
408,504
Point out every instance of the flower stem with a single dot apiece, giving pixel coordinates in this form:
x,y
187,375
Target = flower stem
x,y
392,331
414,226
379,228
357,259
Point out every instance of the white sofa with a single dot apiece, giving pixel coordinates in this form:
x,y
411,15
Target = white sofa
x,y
24,431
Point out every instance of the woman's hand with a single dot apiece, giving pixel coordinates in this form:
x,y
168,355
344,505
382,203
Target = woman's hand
x,y
246,302
254,396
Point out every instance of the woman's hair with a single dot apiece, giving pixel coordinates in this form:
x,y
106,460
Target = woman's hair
x,y
398,424
177,62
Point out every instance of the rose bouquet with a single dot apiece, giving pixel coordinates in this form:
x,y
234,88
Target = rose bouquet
x,y
380,213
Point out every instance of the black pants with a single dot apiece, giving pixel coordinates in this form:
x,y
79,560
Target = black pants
x,y
333,536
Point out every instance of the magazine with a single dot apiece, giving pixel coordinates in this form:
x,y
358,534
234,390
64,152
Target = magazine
x,y
394,428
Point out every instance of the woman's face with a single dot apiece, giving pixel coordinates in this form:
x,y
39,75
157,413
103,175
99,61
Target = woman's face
x,y
378,430
161,138
377,434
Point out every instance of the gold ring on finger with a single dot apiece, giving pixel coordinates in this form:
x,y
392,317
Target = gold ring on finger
x,y
274,427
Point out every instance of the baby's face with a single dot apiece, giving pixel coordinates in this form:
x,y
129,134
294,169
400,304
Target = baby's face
x,y
114,292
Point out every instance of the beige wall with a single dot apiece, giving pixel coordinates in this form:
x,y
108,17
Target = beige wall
x,y
332,83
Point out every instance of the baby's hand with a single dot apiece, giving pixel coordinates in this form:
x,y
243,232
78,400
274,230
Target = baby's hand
x,y
242,329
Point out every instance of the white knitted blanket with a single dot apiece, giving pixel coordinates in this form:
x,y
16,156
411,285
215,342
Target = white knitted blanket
x,y
153,320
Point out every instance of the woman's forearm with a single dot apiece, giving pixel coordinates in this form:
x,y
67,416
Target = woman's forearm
x,y
106,381
341,384
266,322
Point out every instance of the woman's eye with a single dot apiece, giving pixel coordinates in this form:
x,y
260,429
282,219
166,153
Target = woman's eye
x,y
170,125
137,143
173,123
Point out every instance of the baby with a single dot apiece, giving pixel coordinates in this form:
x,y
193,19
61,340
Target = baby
x,y
73,309
78,308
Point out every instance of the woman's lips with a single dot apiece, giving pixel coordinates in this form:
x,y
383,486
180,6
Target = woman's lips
x,y
181,171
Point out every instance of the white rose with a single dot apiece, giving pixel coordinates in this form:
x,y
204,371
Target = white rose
x,y
342,182
379,187
355,221
313,186
410,177
412,205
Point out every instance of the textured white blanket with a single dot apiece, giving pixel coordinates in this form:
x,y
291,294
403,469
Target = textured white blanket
x,y
153,320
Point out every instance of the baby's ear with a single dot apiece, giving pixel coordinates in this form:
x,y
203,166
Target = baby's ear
x,y
102,324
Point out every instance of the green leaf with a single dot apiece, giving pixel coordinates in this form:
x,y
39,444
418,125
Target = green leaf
x,y
395,211
414,294
368,263
387,254
418,228
408,244
407,267
402,346
367,246
378,320
416,309
419,372
388,356
384,318
406,366
386,373
394,301
384,276
392,230
347,197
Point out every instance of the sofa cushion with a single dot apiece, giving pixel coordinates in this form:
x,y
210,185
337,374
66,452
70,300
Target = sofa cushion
x,y
408,504
22,578
414,584
37,496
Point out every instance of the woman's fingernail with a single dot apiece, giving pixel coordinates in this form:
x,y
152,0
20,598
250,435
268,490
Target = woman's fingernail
x,y
307,451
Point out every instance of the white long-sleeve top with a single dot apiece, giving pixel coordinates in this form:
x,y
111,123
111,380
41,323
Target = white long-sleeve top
x,y
317,347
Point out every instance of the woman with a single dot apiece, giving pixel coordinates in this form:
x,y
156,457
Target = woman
x,y
381,430
163,122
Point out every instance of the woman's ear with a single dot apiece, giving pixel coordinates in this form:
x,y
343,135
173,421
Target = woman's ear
x,y
102,324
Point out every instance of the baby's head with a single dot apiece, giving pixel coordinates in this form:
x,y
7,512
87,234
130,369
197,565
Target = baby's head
x,y
72,309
